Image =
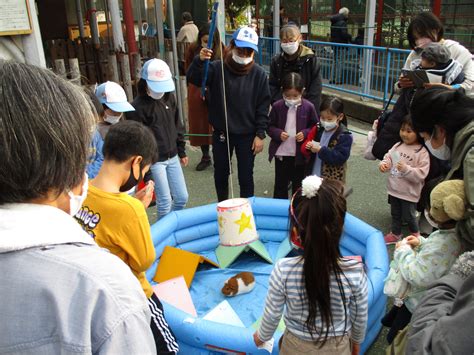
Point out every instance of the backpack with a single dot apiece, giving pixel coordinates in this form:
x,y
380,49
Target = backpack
x,y
384,115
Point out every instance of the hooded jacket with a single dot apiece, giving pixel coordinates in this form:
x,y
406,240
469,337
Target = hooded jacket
x,y
444,318
307,65
61,293
339,29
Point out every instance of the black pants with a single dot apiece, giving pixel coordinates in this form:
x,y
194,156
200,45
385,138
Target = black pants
x,y
242,143
285,172
396,319
164,338
403,210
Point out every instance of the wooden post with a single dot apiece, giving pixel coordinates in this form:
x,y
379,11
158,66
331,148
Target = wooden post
x,y
137,66
75,72
112,69
127,80
60,68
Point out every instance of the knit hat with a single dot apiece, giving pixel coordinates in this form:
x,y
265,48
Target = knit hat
x,y
435,52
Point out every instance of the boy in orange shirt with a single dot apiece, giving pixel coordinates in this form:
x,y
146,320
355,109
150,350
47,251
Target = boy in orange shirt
x,y
118,221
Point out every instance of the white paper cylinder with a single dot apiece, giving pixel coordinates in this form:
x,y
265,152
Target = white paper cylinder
x,y
236,222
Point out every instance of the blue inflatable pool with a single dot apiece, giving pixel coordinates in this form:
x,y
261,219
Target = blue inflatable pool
x,y
196,230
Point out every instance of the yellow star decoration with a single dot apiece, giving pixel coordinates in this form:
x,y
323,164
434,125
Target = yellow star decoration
x,y
220,220
244,222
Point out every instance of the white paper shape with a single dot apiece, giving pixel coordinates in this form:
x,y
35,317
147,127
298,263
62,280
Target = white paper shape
x,y
395,158
225,314
268,345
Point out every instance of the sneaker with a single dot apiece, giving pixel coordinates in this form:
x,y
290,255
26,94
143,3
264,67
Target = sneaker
x,y
392,238
203,164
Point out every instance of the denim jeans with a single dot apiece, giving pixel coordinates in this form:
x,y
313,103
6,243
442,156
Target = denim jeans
x,y
170,187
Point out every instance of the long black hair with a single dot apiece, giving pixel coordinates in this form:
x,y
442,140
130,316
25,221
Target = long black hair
x,y
319,221
292,81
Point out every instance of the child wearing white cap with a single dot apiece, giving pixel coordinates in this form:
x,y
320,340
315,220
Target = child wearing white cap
x,y
156,107
248,101
110,102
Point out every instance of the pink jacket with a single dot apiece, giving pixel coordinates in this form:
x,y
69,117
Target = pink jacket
x,y
407,185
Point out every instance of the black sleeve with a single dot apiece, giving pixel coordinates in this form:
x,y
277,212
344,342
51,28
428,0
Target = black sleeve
x,y
263,105
195,73
138,115
274,80
316,86
180,141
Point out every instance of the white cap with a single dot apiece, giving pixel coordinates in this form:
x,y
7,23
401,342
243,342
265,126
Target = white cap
x,y
158,76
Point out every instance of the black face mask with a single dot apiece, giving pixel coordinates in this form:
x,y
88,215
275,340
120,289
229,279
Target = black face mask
x,y
132,181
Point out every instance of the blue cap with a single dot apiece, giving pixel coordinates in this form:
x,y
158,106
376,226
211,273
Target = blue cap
x,y
113,96
158,76
246,37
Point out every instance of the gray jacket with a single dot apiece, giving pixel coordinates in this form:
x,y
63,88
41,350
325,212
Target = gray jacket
x,y
444,319
62,294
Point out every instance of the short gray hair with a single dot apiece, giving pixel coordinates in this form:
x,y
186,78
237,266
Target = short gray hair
x,y
46,126
344,11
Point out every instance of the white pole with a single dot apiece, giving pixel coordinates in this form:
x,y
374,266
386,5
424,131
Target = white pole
x,y
368,41
221,19
119,43
175,61
276,23
32,43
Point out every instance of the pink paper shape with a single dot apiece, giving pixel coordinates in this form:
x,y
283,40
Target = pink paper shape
x,y
176,293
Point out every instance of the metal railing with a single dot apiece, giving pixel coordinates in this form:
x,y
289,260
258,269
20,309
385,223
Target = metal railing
x,y
366,71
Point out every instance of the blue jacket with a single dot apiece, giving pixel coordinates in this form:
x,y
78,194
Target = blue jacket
x,y
96,156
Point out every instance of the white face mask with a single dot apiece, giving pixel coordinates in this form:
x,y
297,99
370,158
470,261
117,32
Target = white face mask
x,y
430,220
112,119
291,103
155,95
290,48
241,60
328,126
75,201
442,153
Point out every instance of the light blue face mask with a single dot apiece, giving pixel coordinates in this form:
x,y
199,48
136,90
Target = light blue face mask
x,y
442,153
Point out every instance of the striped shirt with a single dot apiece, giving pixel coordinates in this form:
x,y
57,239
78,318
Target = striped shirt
x,y
286,287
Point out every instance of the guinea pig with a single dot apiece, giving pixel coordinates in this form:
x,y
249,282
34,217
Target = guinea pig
x,y
241,283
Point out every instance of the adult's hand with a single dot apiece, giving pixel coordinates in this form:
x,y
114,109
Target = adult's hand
x,y
205,54
300,137
405,82
257,145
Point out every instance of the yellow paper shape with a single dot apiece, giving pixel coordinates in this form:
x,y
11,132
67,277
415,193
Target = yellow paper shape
x,y
244,222
176,262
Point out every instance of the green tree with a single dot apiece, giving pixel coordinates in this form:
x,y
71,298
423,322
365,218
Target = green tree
x,y
234,9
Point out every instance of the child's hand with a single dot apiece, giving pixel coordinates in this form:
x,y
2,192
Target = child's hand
x,y
412,241
284,136
384,166
374,125
315,147
355,348
309,145
184,161
300,137
145,195
402,167
257,340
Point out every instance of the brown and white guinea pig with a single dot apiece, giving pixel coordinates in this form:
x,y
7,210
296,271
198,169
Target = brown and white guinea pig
x,y
241,283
